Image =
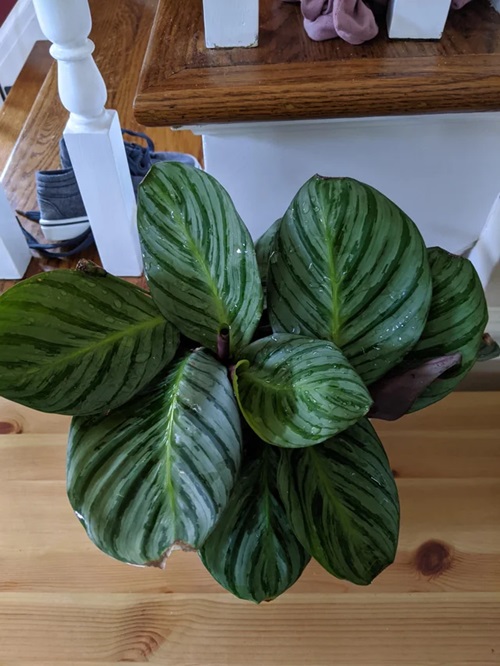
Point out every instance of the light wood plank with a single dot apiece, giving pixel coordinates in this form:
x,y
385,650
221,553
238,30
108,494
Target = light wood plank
x,y
62,601
211,630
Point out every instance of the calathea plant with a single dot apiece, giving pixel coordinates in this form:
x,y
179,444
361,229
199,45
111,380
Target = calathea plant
x,y
204,420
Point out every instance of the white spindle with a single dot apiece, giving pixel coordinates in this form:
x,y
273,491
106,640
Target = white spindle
x,y
93,135
14,253
231,23
417,19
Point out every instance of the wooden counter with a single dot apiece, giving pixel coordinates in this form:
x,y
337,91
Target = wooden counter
x,y
63,602
290,77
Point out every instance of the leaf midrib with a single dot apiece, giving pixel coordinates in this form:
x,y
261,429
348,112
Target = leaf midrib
x,y
173,396
35,368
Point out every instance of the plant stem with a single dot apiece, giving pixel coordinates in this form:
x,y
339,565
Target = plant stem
x,y
223,345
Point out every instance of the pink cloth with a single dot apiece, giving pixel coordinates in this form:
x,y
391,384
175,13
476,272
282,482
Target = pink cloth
x,y
352,20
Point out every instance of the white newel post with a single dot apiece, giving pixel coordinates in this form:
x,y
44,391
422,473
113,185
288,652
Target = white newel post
x,y
231,23
14,253
93,136
417,19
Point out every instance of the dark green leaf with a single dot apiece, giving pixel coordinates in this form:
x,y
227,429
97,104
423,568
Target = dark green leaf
x,y
253,552
263,250
156,474
75,343
294,391
343,504
349,266
456,322
199,258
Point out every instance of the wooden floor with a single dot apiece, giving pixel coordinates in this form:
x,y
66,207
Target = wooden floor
x,y
63,602
120,31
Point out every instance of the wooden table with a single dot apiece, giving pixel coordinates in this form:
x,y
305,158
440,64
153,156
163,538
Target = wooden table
x,y
63,602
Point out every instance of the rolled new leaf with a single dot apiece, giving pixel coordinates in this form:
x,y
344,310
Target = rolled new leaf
x,y
199,259
295,392
456,323
342,503
252,551
79,343
156,474
349,266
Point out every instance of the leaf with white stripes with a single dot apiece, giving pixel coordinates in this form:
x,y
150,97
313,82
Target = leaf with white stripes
x,y
456,323
294,391
77,342
199,258
253,552
342,503
156,474
349,266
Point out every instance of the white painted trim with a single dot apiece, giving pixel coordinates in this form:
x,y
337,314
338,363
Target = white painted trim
x,y
493,327
18,35
254,128
421,19
485,255
231,23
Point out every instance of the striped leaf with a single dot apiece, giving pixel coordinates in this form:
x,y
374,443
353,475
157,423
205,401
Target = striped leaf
x,y
294,391
263,251
73,342
253,552
342,503
456,323
351,267
156,474
199,258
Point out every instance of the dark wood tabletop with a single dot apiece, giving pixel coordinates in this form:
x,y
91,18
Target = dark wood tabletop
x,y
289,77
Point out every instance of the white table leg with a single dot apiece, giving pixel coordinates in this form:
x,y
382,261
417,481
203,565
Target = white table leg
x,y
14,253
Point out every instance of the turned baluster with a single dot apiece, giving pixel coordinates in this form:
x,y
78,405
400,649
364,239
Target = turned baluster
x,y
14,253
93,135
231,23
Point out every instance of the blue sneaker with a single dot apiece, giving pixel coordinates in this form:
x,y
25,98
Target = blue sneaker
x,y
140,158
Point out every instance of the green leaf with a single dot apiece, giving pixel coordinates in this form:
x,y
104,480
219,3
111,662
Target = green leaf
x,y
156,474
456,323
294,391
263,251
349,266
78,343
342,503
253,552
199,258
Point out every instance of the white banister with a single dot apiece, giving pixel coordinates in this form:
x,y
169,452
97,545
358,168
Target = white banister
x,y
417,19
231,23
93,135
14,253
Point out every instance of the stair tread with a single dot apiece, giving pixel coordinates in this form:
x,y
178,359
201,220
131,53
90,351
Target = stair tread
x,y
290,77
120,31
21,98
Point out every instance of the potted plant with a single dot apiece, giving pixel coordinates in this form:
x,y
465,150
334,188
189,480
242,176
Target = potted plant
x,y
213,414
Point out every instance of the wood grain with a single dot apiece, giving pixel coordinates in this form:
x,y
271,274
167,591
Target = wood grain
x,y
120,32
21,98
289,77
64,602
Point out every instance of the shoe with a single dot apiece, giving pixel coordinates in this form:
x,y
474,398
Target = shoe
x,y
62,213
140,158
